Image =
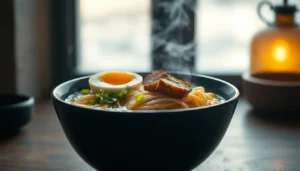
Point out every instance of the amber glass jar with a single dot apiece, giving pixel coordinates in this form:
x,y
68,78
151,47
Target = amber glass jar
x,y
276,50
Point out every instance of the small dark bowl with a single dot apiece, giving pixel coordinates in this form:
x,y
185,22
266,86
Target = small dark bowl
x,y
15,112
273,93
176,140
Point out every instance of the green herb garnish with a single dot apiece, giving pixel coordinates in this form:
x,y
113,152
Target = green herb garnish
x,y
110,98
123,93
92,102
85,91
139,97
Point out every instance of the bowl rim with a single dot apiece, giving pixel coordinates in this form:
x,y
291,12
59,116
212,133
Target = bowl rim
x,y
235,97
275,83
27,102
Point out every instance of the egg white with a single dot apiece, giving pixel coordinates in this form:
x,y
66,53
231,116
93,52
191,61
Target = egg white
x,y
96,83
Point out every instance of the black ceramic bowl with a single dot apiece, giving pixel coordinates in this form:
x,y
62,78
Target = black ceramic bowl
x,y
175,140
15,112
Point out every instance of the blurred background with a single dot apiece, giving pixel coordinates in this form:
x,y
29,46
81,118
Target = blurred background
x,y
116,34
47,42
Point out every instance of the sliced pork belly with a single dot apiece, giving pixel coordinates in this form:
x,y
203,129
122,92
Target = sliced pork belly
x,y
160,81
173,87
155,76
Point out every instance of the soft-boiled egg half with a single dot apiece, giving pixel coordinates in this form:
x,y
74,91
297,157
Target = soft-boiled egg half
x,y
114,81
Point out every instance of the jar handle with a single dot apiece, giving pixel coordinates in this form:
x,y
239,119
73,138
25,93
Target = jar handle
x,y
260,5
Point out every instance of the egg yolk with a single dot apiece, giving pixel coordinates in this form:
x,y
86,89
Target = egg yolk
x,y
116,78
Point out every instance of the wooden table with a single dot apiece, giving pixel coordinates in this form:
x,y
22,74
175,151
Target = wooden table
x,y
251,143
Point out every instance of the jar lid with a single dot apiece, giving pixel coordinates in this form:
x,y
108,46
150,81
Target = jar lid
x,y
285,8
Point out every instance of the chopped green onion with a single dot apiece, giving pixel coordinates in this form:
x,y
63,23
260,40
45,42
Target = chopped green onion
x,y
110,98
92,102
112,94
85,91
122,94
139,97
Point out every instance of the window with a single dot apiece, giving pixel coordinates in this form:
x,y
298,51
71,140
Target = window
x,y
225,31
113,35
116,34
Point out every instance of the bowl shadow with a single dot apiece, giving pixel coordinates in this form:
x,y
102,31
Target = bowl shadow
x,y
9,135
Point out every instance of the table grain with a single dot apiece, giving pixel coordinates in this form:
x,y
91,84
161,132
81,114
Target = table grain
x,y
251,143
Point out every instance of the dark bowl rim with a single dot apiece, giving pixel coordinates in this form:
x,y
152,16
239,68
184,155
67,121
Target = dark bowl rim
x,y
235,97
27,102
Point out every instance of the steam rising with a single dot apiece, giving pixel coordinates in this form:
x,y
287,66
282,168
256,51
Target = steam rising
x,y
173,24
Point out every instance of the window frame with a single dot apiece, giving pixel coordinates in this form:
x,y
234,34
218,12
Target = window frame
x,y
63,17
